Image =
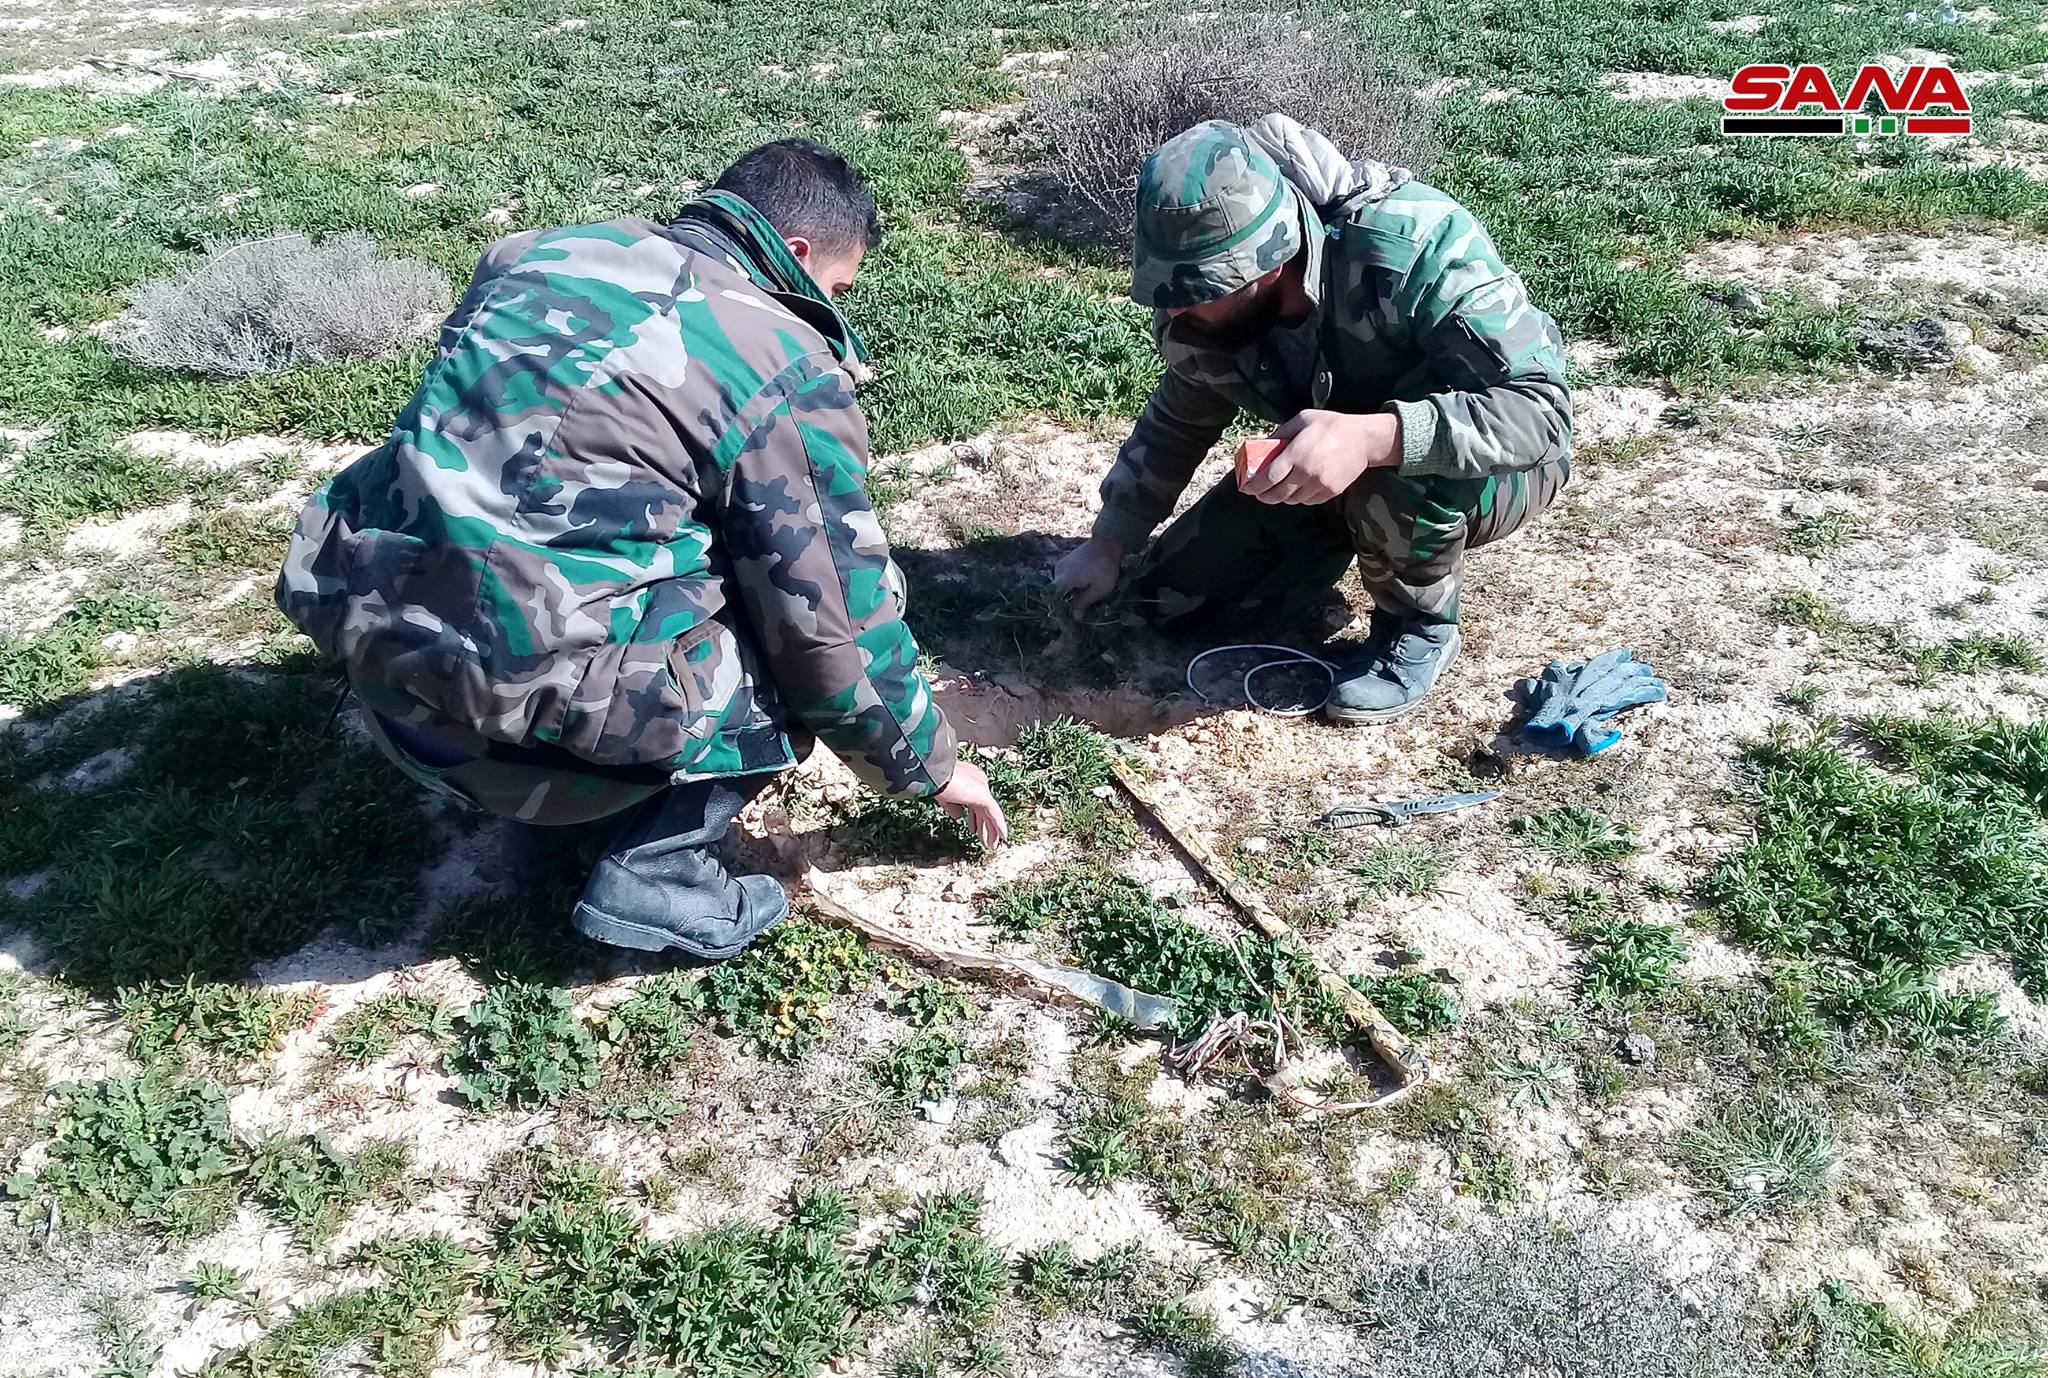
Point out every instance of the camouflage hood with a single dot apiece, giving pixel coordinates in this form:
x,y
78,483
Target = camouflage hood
x,y
1220,205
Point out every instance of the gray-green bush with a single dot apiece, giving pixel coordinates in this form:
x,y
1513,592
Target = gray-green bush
x,y
267,304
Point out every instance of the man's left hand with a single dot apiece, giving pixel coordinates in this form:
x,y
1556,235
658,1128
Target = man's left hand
x,y
1326,452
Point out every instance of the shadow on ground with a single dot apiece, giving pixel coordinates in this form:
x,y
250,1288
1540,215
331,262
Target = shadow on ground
x,y
210,820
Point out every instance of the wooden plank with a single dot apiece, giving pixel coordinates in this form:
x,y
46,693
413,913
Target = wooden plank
x,y
1409,1062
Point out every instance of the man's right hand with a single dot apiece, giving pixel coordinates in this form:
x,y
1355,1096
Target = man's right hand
x,y
1088,573
968,793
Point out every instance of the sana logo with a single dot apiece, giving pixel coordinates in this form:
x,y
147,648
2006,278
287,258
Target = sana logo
x,y
1774,99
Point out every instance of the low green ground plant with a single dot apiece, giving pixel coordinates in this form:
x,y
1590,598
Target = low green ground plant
x,y
1762,1156
776,995
239,830
153,1150
311,1185
1880,874
1415,1000
375,1028
42,670
225,1024
1576,833
522,1045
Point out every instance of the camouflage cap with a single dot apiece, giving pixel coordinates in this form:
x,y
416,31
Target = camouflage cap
x,y
1214,213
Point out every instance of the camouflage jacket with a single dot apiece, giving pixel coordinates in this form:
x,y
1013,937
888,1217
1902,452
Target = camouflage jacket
x,y
1413,312
625,515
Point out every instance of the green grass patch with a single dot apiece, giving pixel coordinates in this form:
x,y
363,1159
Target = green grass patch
x,y
1869,871
1021,908
222,1024
1059,765
15,1025
576,1267
1968,755
311,1185
1804,608
231,539
936,1004
1819,533
375,1028
1977,653
1179,1327
419,1296
41,671
882,827
1628,959
777,994
922,1066
241,830
1898,1004
1145,945
939,1259
1415,1000
209,1282
82,470
1397,868
1849,1334
1576,833
1757,1158
653,1027
1100,1146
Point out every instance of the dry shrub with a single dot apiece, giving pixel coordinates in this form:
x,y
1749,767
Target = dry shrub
x,y
268,304
1533,1297
1095,129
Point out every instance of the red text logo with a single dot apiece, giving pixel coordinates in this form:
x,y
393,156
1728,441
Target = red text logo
x,y
1771,98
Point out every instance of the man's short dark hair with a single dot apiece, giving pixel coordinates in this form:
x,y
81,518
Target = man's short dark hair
x,y
807,191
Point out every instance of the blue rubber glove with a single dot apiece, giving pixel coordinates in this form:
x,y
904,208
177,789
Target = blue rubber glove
x,y
1573,702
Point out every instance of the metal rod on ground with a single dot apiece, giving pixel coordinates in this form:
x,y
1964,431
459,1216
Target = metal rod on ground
x,y
1408,1062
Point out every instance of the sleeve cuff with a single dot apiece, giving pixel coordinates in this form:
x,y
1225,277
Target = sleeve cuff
x,y
1419,422
1127,529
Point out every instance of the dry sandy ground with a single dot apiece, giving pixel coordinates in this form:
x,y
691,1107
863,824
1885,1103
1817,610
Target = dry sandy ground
x,y
1675,551
113,43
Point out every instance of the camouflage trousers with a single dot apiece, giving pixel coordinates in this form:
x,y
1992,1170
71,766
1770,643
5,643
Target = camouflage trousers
x,y
530,784
1232,560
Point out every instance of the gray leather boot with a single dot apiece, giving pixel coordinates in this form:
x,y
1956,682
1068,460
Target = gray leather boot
x,y
1395,675
660,886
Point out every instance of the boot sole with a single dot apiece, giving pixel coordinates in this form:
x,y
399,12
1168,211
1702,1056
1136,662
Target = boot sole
x,y
602,927
1365,717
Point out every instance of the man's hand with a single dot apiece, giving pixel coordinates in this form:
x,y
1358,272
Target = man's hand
x,y
1087,574
968,793
1326,452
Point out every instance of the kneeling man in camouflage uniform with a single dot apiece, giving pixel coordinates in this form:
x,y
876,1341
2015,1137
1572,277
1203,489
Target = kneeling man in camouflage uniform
x,y
1421,395
616,557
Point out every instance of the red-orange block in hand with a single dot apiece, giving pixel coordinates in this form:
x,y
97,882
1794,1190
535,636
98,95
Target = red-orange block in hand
x,y
1256,454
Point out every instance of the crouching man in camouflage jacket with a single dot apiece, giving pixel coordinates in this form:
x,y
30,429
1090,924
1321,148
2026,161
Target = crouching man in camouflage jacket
x,y
617,553
1422,397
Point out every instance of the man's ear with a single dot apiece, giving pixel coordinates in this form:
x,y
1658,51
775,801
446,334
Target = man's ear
x,y
801,248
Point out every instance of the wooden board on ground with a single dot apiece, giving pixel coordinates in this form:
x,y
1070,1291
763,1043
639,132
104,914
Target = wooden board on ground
x,y
1409,1063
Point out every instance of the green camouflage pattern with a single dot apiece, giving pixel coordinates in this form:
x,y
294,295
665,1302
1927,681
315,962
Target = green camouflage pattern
x,y
1214,213
527,784
624,522
1414,313
1231,562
